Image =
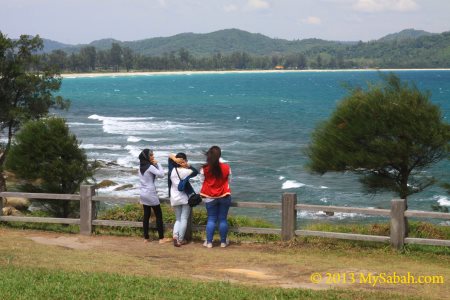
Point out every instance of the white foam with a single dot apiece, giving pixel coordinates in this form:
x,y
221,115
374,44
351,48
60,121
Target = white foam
x,y
107,147
323,187
322,215
238,118
281,177
133,139
291,184
102,118
442,200
82,124
130,126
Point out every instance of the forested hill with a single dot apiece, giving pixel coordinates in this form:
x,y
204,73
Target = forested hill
x,y
224,41
240,49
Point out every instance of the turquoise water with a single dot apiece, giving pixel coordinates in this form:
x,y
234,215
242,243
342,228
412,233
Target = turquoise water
x,y
262,121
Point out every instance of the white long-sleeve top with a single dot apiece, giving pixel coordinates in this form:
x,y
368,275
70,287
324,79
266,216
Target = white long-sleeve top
x,y
178,197
149,195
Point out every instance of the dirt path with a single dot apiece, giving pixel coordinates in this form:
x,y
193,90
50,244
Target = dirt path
x,y
259,264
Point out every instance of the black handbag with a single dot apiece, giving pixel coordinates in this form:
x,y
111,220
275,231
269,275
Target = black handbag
x,y
194,199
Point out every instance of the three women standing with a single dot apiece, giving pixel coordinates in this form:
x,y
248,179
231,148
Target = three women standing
x,y
215,191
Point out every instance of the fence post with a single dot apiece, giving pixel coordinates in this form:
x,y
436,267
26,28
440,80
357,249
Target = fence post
x,y
188,234
288,216
87,209
1,204
398,224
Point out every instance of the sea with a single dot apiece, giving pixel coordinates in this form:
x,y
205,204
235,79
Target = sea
x,y
261,120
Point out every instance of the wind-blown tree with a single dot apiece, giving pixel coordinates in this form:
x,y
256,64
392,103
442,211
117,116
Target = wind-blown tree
x,y
24,94
388,133
48,157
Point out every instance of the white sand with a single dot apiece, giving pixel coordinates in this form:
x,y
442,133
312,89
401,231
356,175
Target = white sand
x,y
117,74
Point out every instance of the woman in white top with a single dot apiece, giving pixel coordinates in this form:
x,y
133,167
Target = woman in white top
x,y
179,169
149,169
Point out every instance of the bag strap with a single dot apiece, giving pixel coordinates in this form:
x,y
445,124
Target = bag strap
x,y
176,169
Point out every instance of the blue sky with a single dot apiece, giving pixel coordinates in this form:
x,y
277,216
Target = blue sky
x,y
82,21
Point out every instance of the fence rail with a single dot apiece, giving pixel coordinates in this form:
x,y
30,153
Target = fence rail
x,y
288,206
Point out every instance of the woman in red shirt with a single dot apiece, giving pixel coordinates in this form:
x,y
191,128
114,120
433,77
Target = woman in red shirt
x,y
216,194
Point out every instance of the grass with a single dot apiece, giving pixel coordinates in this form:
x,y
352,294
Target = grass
x,y
35,283
125,267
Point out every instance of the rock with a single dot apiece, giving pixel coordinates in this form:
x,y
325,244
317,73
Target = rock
x,y
17,202
124,187
11,211
105,183
329,213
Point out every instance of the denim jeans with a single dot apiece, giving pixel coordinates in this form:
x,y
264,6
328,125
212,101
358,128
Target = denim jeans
x,y
181,215
217,212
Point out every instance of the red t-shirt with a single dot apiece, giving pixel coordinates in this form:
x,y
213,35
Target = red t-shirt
x,y
216,187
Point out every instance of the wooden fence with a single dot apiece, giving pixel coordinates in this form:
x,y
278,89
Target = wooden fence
x,y
288,207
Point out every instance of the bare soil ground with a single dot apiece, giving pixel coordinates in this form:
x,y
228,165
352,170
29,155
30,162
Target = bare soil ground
x,y
255,264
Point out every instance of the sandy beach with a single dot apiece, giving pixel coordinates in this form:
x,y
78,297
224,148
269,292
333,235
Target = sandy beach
x,y
153,73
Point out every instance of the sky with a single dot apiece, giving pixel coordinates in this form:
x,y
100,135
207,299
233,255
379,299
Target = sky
x,y
83,21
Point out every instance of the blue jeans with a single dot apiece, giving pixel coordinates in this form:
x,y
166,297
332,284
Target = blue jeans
x,y
217,212
181,215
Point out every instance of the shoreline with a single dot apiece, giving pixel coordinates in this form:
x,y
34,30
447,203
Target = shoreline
x,y
153,73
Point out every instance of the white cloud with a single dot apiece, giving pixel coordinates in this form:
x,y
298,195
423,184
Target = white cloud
x,y
385,5
230,8
312,20
258,4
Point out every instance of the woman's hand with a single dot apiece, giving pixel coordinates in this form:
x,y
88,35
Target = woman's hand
x,y
153,161
184,164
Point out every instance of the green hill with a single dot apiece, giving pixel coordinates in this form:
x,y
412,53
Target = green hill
x,y
224,41
409,48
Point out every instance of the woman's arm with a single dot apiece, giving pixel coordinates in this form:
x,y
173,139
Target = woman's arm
x,y
194,172
158,171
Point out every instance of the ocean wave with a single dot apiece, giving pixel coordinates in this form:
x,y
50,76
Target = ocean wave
x,y
131,126
102,118
82,124
107,147
442,200
291,184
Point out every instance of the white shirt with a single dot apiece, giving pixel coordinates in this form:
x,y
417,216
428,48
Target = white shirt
x,y
148,189
178,197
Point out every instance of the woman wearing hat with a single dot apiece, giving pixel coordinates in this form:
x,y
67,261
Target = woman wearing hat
x,y
149,169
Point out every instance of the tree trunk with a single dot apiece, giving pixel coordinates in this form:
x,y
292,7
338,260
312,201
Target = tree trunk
x,y
403,195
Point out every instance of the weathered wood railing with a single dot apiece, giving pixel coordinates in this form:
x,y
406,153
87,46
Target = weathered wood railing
x,y
288,207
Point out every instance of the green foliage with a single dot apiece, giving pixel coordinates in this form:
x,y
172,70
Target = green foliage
x,y
47,155
34,283
237,49
387,133
416,229
25,94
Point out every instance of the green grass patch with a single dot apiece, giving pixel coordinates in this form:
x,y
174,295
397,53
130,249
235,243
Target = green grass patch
x,y
33,283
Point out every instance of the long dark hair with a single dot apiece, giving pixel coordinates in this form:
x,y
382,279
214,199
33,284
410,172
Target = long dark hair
x,y
144,160
212,161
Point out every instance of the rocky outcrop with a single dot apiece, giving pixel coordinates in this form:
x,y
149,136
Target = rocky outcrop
x,y
105,183
17,202
124,187
11,211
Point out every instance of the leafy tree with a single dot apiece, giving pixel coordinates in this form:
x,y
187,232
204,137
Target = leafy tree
x,y
88,56
24,94
47,155
127,58
116,56
388,133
